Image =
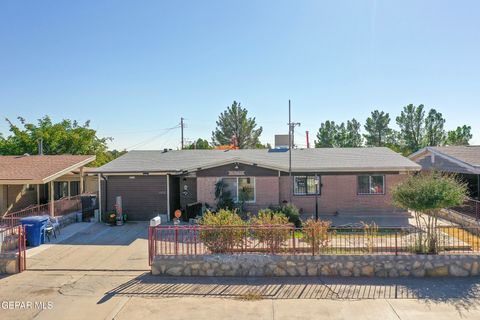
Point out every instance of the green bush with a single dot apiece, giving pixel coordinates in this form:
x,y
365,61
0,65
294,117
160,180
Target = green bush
x,y
223,231
271,229
291,212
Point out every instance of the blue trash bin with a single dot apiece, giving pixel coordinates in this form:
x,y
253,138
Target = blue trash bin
x,y
34,227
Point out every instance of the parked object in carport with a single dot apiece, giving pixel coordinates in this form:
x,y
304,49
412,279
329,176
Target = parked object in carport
x,y
34,227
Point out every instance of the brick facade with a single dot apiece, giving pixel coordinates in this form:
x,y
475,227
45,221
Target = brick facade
x,y
339,192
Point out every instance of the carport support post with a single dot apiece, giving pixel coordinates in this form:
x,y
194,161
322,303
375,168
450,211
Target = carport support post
x,y
52,204
81,180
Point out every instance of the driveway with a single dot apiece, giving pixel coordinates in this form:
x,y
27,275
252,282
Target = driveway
x,y
98,247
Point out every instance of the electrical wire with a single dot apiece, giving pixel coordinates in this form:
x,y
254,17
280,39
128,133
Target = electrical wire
x,y
147,141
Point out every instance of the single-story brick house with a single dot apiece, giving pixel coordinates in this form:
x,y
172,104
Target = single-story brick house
x,y
463,161
153,182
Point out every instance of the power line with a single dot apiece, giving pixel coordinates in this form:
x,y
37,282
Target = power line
x,y
144,142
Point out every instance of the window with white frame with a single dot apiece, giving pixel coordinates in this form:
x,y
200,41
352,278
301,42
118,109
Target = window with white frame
x,y
241,189
305,185
371,184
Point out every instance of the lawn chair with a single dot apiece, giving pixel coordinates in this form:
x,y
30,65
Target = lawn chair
x,y
52,228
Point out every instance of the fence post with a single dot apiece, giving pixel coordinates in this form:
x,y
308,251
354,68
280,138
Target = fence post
x,y
477,209
176,240
396,243
195,232
313,242
293,239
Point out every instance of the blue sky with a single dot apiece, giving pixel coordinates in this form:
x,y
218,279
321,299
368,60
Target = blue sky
x,y
135,67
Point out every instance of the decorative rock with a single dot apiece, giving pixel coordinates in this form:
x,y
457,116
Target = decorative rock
x,y
457,271
175,271
393,273
312,271
367,271
345,273
475,268
279,272
325,271
437,272
418,272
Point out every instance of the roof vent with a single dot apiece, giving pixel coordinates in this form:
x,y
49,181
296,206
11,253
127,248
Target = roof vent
x,y
165,150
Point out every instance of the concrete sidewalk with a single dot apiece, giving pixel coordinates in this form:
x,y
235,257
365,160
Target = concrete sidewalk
x,y
134,295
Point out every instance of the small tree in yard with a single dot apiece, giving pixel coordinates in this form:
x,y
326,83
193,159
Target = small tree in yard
x,y
426,194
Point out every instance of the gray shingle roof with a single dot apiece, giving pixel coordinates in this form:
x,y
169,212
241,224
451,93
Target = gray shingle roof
x,y
467,154
303,160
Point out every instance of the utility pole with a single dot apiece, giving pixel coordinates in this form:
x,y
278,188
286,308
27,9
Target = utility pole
x,y
289,139
308,140
181,126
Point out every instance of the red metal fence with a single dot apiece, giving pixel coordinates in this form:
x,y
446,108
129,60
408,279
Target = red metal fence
x,y
276,240
61,207
12,241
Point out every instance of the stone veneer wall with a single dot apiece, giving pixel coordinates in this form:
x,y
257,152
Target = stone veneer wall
x,y
303,265
8,263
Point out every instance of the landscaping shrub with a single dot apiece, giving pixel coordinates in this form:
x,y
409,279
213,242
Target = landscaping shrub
x,y
315,233
271,229
223,231
370,232
292,213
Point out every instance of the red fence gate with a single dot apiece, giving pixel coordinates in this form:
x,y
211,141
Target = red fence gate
x,y
22,247
13,241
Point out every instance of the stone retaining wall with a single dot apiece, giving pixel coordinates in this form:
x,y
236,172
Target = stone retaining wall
x,y
9,263
344,266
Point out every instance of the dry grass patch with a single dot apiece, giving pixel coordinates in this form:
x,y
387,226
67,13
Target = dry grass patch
x,y
251,295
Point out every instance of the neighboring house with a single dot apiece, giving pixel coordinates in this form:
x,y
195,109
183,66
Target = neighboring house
x,y
28,180
461,160
153,182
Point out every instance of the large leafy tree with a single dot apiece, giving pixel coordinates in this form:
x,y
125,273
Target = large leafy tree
x,y
235,122
426,194
460,136
199,144
327,135
379,133
434,132
412,127
64,137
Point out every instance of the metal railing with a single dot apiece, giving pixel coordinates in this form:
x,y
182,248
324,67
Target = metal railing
x,y
61,207
12,240
280,239
470,208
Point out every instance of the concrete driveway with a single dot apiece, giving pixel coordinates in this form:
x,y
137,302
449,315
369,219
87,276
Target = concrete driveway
x,y
98,247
